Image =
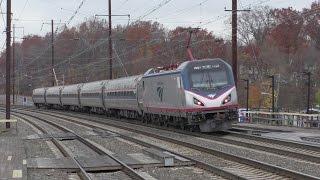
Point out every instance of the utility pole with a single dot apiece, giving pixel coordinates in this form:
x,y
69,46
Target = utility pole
x,y
273,105
309,91
13,64
110,49
16,63
235,39
8,59
52,49
52,53
110,42
247,88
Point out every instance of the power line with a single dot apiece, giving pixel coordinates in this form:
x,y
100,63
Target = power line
x,y
149,12
4,21
86,50
102,61
25,4
163,3
181,11
76,12
122,4
121,65
68,22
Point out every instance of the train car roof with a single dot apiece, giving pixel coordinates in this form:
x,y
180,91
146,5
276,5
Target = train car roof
x,y
123,83
180,68
54,89
71,87
39,90
93,85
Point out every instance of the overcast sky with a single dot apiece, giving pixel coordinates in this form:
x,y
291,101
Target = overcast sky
x,y
32,13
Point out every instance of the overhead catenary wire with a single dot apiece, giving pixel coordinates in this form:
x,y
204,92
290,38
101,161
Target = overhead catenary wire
x,y
85,51
24,7
76,12
81,68
160,5
181,11
2,14
68,22
148,13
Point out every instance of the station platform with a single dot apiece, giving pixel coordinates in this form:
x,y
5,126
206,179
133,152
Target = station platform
x,y
305,135
13,164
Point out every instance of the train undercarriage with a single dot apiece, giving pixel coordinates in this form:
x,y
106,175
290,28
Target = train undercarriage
x,y
201,122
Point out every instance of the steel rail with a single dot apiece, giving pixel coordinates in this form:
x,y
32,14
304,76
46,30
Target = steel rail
x,y
289,143
82,173
293,144
127,169
265,166
198,163
273,150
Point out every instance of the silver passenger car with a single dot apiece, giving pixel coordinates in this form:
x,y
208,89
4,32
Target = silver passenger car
x,y
91,96
38,96
70,96
122,93
52,96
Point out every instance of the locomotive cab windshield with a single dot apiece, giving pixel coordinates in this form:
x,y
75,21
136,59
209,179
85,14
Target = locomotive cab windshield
x,y
209,77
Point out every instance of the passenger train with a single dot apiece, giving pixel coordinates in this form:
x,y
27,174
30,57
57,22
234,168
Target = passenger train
x,y
199,95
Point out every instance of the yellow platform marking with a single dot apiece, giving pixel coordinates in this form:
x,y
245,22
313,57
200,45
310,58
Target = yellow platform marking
x,y
9,158
17,174
24,162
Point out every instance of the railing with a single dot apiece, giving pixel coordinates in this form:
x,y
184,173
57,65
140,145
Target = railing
x,y
284,119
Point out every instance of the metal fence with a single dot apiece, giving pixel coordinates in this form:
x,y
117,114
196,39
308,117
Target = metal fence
x,y
284,119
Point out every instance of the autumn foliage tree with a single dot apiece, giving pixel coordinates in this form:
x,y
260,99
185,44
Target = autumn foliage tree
x,y
284,42
287,32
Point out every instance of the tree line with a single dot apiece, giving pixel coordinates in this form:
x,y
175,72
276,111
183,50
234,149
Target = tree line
x,y
281,42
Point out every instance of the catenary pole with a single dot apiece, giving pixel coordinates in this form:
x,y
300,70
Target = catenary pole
x,y
13,65
8,59
273,98
247,81
309,91
52,53
110,42
234,41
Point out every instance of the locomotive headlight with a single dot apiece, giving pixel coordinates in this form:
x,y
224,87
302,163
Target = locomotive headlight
x,y
197,102
227,99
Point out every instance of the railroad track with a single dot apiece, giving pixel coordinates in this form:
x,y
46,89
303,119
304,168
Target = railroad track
x,y
61,147
84,175
240,165
292,149
82,172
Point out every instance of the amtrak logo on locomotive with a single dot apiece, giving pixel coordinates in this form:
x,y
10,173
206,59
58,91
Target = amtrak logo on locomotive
x,y
160,90
160,93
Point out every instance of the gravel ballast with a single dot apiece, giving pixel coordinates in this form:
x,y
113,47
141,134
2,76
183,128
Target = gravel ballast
x,y
281,161
180,173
